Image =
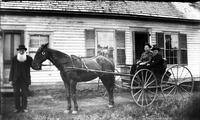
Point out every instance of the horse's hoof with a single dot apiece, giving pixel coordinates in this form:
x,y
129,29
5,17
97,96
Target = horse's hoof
x,y
110,106
74,112
67,111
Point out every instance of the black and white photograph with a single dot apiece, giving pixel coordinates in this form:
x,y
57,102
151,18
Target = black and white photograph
x,y
99,60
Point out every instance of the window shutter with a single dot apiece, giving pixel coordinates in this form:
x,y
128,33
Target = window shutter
x,y
160,42
183,48
120,43
90,42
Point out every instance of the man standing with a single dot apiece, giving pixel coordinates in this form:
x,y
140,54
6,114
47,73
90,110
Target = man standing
x,y
20,78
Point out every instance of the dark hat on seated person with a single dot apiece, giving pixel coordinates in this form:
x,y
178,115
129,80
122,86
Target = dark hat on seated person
x,y
155,48
148,45
21,47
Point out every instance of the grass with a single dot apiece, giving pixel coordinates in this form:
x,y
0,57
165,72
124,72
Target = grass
x,y
48,103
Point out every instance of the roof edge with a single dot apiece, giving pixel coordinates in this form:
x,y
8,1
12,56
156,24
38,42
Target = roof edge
x,y
29,12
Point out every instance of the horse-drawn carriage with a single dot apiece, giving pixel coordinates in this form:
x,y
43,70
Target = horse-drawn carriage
x,y
143,84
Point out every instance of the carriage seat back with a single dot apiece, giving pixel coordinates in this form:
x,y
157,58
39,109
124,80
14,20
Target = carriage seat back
x,y
165,63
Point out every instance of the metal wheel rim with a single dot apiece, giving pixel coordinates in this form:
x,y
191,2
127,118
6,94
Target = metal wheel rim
x,y
178,82
146,95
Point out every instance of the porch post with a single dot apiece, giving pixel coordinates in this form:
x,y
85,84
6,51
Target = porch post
x,y
1,72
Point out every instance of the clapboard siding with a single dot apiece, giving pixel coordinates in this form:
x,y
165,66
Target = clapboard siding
x,y
67,35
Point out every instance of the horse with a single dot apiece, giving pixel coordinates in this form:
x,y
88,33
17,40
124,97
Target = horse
x,y
65,64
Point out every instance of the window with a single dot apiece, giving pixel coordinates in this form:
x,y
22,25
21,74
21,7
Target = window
x,y
108,43
36,41
120,42
173,47
90,43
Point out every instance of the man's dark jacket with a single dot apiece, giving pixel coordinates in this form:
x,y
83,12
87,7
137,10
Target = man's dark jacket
x,y
157,64
20,71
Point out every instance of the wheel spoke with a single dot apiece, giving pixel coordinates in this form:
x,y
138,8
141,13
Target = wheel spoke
x,y
139,78
143,97
146,99
151,92
181,72
149,96
140,96
142,76
171,91
173,74
149,78
137,92
185,90
168,87
186,85
146,76
177,73
150,82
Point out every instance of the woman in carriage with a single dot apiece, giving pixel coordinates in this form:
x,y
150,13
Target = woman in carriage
x,y
144,59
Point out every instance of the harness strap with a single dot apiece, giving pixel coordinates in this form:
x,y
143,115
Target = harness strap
x,y
84,65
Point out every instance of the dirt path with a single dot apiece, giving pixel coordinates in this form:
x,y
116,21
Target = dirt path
x,y
86,105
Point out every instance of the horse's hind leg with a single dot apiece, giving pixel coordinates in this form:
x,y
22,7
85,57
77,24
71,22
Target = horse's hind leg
x,y
73,95
68,97
108,81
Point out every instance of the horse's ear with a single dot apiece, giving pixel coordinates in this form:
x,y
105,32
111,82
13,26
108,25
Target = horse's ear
x,y
45,45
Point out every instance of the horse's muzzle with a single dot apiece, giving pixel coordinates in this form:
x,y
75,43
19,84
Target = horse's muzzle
x,y
36,66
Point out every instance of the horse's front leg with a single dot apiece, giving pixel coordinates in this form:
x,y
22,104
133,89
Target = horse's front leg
x,y
66,81
73,95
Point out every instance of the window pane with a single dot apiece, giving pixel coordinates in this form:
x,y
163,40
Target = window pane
x,y
120,56
34,41
105,45
44,39
171,44
90,42
174,42
17,38
90,52
7,47
89,34
120,38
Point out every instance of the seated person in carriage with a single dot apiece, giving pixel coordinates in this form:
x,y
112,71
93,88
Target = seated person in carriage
x,y
156,65
144,59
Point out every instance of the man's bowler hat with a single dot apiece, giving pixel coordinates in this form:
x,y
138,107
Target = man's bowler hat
x,y
155,48
21,47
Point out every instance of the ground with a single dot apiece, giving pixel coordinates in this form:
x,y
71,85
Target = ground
x,y
48,103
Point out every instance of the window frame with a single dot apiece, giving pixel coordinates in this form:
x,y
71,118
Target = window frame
x,y
46,66
96,30
179,50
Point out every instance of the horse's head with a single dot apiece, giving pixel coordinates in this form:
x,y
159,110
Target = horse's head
x,y
40,56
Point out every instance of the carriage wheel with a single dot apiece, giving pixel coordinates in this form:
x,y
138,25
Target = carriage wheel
x,y
144,87
177,80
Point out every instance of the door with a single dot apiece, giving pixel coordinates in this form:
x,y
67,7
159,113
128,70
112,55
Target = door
x,y
12,39
140,38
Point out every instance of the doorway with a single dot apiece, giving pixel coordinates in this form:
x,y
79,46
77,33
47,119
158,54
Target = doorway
x,y
11,40
140,38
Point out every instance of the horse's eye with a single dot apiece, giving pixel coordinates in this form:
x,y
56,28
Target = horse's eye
x,y
43,53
